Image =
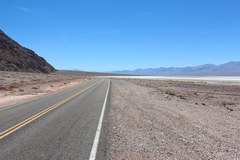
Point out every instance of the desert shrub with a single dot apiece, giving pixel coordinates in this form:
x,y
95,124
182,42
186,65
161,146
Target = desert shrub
x,y
181,96
227,103
169,91
22,81
229,109
202,82
35,87
21,90
14,85
180,81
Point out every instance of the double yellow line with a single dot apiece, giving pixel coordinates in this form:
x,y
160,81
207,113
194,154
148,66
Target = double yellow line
x,y
36,116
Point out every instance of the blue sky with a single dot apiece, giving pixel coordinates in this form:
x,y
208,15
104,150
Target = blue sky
x,y
106,35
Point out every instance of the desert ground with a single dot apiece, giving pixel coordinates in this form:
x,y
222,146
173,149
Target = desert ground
x,y
151,119
17,87
166,119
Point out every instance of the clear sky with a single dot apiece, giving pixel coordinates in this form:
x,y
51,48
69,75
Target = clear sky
x,y
106,35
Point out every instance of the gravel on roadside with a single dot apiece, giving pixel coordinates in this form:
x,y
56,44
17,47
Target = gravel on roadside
x,y
192,121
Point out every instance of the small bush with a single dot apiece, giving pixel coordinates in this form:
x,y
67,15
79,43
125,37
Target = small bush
x,y
51,85
21,90
3,88
227,104
22,81
181,96
14,85
229,109
169,91
35,87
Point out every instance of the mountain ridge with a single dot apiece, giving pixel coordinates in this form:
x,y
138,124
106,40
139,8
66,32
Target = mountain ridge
x,y
231,68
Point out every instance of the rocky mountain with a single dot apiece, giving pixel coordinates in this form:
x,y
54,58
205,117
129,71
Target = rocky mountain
x,y
227,69
14,57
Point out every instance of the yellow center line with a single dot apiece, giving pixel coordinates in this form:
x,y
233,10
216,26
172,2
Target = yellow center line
x,y
36,116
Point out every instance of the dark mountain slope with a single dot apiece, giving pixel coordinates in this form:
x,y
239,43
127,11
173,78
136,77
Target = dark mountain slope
x,y
14,57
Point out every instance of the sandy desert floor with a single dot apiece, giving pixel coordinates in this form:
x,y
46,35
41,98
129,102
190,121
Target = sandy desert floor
x,y
152,119
17,87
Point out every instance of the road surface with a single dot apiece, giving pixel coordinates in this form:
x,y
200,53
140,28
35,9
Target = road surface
x,y
64,125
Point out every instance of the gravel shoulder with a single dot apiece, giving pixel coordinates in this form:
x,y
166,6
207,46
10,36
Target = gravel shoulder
x,y
173,120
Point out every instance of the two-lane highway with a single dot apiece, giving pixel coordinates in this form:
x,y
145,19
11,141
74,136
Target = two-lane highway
x,y
64,125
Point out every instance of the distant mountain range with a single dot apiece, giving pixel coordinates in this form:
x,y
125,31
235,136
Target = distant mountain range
x,y
227,69
14,57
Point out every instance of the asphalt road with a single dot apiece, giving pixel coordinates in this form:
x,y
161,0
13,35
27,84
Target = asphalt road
x,y
58,126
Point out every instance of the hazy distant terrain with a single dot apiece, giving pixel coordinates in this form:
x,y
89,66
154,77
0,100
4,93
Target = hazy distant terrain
x,y
227,69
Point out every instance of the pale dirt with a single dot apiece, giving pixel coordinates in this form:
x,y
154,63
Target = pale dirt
x,y
18,87
200,121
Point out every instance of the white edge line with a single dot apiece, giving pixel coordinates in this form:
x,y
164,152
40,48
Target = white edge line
x,y
99,127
